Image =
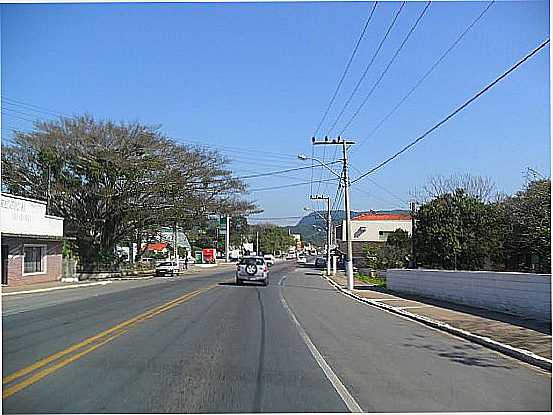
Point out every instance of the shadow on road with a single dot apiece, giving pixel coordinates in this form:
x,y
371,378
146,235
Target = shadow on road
x,y
459,354
247,284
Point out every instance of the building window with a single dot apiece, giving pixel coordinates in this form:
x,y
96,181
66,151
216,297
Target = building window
x,y
34,259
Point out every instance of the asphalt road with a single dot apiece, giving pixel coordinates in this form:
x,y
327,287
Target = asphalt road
x,y
201,344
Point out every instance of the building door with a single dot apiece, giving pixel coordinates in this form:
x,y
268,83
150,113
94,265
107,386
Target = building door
x,y
4,264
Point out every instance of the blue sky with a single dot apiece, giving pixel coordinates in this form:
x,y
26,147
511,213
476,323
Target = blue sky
x,y
253,79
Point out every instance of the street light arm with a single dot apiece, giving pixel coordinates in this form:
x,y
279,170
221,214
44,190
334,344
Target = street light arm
x,y
304,157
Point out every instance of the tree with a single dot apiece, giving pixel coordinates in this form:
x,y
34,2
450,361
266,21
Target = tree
x,y
393,254
272,238
525,223
117,182
454,232
481,188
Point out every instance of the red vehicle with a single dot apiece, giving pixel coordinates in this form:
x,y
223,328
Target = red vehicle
x,y
209,255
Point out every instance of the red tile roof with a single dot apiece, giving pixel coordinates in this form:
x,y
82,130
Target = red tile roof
x,y
160,246
381,216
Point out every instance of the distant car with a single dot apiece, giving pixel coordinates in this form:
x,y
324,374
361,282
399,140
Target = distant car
x,y
320,262
252,268
167,268
302,259
291,255
269,259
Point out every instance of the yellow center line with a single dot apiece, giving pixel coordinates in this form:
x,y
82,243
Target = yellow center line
x,y
7,392
113,331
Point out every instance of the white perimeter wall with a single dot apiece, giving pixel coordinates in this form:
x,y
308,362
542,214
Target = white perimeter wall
x,y
527,295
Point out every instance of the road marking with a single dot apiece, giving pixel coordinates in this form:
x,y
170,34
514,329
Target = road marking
x,y
349,400
40,290
411,307
103,338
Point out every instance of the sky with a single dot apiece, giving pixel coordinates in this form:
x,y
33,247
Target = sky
x,y
253,80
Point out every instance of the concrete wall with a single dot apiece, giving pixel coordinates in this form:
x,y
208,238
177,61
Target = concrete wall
x,y
527,295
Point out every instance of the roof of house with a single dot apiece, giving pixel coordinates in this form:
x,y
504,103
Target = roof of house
x,y
160,246
381,216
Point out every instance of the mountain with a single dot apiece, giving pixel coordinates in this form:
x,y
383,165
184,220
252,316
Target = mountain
x,y
308,226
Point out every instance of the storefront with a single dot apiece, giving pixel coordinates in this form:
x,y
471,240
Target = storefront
x,y
31,242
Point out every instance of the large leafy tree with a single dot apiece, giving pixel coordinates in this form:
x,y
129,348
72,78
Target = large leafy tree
x,y
524,226
454,232
272,238
116,182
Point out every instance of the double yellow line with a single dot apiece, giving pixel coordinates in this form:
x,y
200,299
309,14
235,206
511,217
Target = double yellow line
x,y
62,358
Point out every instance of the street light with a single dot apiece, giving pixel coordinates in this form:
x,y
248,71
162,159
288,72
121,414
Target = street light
x,y
304,158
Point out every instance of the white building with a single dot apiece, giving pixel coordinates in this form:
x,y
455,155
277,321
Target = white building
x,y
371,228
31,241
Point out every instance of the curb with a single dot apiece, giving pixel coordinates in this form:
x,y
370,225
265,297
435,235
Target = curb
x,y
55,288
520,354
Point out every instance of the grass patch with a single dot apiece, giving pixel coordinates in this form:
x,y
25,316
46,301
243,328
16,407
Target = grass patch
x,y
381,282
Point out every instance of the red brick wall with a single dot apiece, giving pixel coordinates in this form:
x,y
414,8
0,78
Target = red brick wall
x,y
15,262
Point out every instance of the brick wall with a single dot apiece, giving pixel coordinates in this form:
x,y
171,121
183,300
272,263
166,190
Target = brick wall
x,y
15,262
527,295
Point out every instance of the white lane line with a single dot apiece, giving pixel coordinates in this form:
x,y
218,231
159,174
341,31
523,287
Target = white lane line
x,y
349,400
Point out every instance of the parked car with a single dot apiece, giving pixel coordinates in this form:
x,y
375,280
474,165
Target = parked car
x,y
167,268
320,262
252,268
302,259
269,259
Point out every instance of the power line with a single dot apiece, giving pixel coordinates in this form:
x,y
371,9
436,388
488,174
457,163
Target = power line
x,y
366,69
38,107
346,69
427,73
455,112
390,62
360,81
284,186
271,173
381,187
17,117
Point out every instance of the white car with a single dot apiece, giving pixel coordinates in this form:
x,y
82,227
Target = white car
x,y
252,268
167,268
302,259
269,259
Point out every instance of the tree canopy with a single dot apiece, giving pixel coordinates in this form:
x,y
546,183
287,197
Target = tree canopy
x,y
115,182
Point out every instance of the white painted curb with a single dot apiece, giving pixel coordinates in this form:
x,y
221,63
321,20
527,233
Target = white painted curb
x,y
56,288
521,354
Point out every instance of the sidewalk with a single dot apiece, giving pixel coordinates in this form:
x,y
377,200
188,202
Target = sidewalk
x,y
515,332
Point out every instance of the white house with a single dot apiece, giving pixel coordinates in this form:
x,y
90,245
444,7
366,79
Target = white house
x,y
370,228
31,241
